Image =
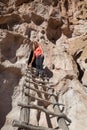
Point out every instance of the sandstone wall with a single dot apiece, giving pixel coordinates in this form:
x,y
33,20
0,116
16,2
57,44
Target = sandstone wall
x,y
60,26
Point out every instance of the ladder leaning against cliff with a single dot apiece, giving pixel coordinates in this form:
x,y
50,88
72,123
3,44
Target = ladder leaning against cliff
x,y
44,91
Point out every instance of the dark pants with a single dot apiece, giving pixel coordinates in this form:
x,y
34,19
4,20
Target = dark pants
x,y
39,64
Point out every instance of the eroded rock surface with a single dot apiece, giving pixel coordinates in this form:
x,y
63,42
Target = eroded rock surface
x,y
61,29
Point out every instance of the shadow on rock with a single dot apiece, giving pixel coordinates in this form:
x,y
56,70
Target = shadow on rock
x,y
48,72
8,82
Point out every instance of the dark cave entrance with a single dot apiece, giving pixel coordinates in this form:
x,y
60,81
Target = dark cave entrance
x,y
81,72
30,58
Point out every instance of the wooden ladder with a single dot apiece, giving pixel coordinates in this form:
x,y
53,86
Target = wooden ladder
x,y
44,96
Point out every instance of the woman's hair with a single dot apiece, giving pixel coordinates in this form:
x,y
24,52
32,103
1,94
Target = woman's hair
x,y
36,44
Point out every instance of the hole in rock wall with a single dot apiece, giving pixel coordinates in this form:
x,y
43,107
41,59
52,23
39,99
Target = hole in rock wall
x,y
55,23
66,4
81,72
3,26
12,23
9,25
46,2
53,34
85,60
9,20
54,2
20,2
57,26
30,58
9,80
50,2
77,55
38,20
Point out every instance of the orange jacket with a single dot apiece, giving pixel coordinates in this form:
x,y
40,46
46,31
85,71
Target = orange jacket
x,y
38,51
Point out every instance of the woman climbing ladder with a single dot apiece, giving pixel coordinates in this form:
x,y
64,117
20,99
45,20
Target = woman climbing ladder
x,y
38,54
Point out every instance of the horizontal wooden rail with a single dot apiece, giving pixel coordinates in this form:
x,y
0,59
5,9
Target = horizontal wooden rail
x,y
61,115
22,125
33,78
33,106
44,86
51,83
37,90
40,99
31,69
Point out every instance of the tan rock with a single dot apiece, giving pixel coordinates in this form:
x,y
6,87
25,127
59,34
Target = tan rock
x,y
84,78
61,29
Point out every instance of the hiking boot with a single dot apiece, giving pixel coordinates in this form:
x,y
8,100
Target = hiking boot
x,y
37,73
41,73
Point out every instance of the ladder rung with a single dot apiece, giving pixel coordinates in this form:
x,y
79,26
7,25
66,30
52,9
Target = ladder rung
x,y
37,90
40,99
44,86
33,106
43,82
23,125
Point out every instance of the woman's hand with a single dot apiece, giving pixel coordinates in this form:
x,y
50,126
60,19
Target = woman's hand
x,y
30,65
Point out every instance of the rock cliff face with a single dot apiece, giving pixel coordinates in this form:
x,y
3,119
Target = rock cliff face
x,y
60,26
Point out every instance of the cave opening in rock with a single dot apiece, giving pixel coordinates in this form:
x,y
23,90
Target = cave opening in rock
x,y
30,58
77,55
37,19
54,3
81,72
53,34
86,60
3,26
66,4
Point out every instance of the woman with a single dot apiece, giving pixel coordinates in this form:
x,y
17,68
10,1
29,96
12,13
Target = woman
x,y
38,54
